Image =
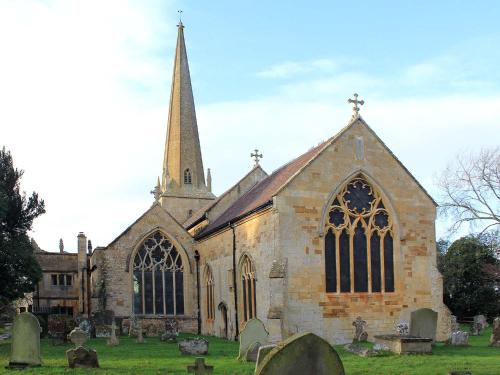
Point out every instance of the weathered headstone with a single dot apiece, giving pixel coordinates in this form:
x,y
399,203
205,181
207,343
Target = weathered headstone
x,y
85,326
82,357
193,346
140,333
58,328
263,351
423,323
302,354
199,367
459,338
481,319
402,328
113,340
25,350
254,331
102,321
476,329
454,324
495,334
360,334
252,352
171,331
78,337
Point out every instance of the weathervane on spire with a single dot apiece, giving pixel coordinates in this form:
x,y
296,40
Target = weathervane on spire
x,y
355,107
180,16
256,157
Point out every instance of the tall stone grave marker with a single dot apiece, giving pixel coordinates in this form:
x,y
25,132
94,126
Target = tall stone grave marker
x,y
253,332
360,334
495,334
25,349
423,323
302,354
113,340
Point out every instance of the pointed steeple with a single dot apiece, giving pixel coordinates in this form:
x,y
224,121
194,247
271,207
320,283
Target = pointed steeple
x,y
182,148
183,174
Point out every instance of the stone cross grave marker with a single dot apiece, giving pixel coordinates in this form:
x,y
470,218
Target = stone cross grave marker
x,y
254,331
199,367
140,334
302,354
78,337
495,334
113,340
360,335
25,350
423,323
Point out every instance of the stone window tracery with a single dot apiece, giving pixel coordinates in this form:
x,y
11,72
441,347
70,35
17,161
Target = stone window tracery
x,y
248,289
209,286
158,281
187,177
359,241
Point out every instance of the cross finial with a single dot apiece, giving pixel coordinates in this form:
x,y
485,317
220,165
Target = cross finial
x,y
355,107
180,16
256,157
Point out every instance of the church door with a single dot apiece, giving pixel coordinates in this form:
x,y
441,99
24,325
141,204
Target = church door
x,y
223,311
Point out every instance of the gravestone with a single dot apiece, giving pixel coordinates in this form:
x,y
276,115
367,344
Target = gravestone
x,y
360,334
58,328
82,357
263,351
252,352
193,346
113,340
171,331
140,333
495,334
254,331
402,328
199,367
481,319
85,326
102,321
423,323
25,349
302,354
78,337
459,338
454,324
476,329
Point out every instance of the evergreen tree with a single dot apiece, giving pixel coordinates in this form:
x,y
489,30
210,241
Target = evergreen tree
x,y
469,288
19,269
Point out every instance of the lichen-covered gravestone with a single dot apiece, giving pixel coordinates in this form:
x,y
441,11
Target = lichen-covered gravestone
x,y
423,323
360,334
302,354
171,331
402,328
459,338
25,349
495,334
102,321
193,346
253,332
81,356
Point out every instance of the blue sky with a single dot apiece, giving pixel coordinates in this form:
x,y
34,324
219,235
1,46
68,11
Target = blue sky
x,y
85,86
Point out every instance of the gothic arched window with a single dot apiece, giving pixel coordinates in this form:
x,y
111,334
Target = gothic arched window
x,y
158,278
248,289
359,241
187,177
209,286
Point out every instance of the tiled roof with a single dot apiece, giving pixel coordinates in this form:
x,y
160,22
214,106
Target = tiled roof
x,y
262,193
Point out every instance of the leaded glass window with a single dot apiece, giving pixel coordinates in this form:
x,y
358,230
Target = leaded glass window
x,y
248,289
209,287
359,236
158,278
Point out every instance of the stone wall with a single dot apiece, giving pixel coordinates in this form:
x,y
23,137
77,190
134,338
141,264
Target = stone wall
x,y
301,208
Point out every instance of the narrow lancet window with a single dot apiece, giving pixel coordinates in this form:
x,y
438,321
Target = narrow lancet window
x,y
187,177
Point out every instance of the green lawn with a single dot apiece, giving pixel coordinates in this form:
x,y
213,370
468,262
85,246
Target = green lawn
x,y
155,357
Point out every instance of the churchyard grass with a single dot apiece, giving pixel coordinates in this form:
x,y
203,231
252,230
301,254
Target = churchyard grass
x,y
155,357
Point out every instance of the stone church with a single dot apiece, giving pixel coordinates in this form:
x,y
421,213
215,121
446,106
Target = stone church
x,y
341,231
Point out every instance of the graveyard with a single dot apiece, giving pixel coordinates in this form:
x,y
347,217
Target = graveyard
x,y
157,357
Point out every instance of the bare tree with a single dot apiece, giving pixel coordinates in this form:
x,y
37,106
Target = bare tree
x,y
471,190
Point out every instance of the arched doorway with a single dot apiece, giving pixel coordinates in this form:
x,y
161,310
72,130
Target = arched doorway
x,y
223,311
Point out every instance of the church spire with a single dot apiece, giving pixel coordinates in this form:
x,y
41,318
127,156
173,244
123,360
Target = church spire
x,y
183,165
183,175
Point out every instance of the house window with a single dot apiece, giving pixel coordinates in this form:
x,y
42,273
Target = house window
x,y
54,279
359,241
187,177
68,279
248,289
61,279
158,278
209,286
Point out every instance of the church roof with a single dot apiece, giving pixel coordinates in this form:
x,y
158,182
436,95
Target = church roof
x,y
261,195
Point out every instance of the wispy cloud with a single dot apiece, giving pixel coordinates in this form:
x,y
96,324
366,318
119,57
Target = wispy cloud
x,y
291,69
